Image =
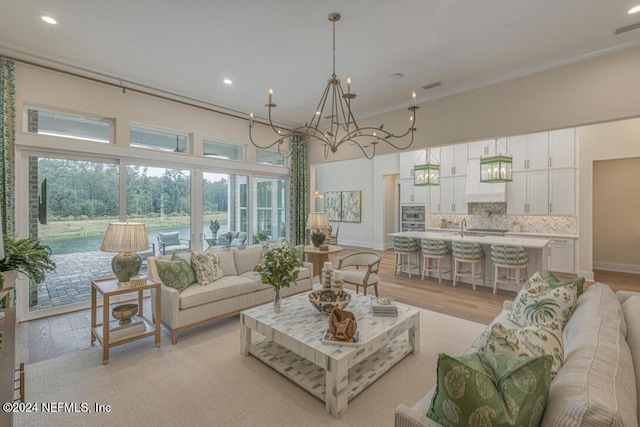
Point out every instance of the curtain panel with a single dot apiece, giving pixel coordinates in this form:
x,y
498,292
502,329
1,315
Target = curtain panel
x,y
299,195
7,143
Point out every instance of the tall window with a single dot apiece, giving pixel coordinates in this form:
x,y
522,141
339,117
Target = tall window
x,y
270,207
225,201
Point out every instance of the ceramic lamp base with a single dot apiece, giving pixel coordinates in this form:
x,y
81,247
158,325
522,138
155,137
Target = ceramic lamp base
x,y
318,237
125,265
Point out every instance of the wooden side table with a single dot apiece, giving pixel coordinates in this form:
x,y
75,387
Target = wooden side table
x,y
109,288
318,257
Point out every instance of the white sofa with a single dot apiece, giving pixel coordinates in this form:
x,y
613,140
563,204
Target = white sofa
x,y
239,288
597,384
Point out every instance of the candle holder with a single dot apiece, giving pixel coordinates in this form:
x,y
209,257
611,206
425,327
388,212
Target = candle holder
x,y
327,273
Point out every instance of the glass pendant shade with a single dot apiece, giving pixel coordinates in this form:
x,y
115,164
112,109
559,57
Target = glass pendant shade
x,y
496,169
426,175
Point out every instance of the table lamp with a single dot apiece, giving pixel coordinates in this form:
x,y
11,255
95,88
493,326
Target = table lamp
x,y
125,238
318,222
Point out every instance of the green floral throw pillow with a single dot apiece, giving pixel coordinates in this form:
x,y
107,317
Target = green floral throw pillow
x,y
539,303
176,273
206,265
554,282
482,390
531,341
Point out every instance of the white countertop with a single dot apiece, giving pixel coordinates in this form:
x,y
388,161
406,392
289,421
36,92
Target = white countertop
x,y
512,233
525,242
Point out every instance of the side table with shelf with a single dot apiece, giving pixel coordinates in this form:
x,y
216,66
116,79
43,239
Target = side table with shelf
x,y
109,288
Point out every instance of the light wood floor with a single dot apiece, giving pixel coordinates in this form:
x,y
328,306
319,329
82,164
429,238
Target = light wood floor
x,y
58,335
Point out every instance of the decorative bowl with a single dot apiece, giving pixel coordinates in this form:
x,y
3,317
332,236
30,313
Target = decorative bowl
x,y
325,300
125,312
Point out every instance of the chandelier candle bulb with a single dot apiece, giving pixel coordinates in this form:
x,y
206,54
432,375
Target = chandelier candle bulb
x,y
414,98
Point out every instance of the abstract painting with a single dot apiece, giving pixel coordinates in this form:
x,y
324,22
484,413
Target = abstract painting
x,y
351,206
333,205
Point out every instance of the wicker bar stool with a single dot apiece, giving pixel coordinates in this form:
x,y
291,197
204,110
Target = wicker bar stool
x,y
471,253
437,250
405,248
509,258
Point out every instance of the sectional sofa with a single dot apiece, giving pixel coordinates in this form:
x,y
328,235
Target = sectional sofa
x,y
239,288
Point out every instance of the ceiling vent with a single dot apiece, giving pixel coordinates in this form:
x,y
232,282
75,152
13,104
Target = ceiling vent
x,y
431,85
627,28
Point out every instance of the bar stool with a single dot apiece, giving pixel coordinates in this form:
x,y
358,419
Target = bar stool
x,y
509,258
405,248
467,252
435,250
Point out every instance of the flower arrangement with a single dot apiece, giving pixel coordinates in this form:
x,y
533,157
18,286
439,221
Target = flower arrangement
x,y
278,266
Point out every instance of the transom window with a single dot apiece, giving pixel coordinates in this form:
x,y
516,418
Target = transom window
x,y
267,157
159,140
68,126
223,150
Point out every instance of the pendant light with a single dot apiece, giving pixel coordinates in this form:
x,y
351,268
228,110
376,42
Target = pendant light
x,y
496,168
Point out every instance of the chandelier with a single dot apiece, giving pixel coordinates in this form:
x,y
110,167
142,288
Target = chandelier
x,y
339,125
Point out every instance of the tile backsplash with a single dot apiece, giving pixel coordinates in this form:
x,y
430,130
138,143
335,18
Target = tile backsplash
x,y
494,215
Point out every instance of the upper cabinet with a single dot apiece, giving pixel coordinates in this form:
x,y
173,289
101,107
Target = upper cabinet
x,y
562,148
530,152
453,160
479,149
409,159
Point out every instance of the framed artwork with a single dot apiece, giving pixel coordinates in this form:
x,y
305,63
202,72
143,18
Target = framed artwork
x,y
333,205
351,206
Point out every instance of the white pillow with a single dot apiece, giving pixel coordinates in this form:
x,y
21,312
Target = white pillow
x,y
206,266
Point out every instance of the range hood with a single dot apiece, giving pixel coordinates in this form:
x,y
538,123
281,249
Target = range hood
x,y
482,192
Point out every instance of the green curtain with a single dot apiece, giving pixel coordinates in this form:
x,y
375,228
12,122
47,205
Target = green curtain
x,y
7,143
299,189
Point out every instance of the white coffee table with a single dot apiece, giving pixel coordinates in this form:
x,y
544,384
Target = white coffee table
x,y
335,374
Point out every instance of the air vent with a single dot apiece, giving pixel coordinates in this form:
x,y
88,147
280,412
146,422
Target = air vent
x,y
627,28
431,85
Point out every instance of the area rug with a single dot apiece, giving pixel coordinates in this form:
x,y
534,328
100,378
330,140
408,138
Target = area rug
x,y
205,381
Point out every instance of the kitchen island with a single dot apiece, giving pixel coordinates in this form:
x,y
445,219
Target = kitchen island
x,y
537,249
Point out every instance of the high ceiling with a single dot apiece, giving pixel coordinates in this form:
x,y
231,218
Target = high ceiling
x,y
188,47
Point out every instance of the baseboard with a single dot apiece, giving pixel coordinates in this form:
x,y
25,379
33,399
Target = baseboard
x,y
356,243
588,275
613,266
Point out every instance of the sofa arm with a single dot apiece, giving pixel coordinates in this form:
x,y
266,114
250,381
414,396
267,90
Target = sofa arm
x,y
625,295
409,417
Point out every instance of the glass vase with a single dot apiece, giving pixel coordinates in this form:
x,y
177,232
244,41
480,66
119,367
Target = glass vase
x,y
277,301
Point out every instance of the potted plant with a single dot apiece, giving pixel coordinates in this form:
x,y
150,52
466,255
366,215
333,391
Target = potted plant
x,y
261,236
214,226
28,256
279,269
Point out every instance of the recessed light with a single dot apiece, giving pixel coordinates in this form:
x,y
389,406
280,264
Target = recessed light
x,y
396,76
48,19
227,81
635,9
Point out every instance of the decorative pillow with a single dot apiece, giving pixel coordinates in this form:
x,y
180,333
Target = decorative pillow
x,y
176,273
225,238
531,341
206,267
555,282
227,262
237,242
170,239
482,390
538,303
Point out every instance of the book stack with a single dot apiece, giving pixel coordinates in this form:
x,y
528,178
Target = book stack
x,y
119,332
384,306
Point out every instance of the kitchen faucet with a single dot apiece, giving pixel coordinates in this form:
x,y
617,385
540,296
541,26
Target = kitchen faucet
x,y
463,223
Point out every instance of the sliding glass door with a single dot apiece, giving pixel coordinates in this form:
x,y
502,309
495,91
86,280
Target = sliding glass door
x,y
270,202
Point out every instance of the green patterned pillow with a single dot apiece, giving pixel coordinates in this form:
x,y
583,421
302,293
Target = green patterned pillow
x,y
176,273
531,341
539,303
482,390
206,267
555,282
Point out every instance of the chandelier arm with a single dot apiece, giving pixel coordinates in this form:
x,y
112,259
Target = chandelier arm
x,y
315,120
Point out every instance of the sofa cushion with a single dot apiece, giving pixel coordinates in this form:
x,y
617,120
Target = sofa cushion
x,y
631,310
176,273
206,267
227,262
246,259
538,303
170,239
482,390
531,341
225,287
597,384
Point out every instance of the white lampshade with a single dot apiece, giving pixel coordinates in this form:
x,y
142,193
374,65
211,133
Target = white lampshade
x,y
125,237
318,221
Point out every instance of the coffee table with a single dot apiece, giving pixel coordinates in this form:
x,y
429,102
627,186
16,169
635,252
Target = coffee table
x,y
333,373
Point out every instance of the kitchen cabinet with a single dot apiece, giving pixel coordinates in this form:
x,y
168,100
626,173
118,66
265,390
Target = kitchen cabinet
x,y
453,160
562,255
408,160
562,192
411,194
452,195
528,193
562,149
480,149
434,199
530,152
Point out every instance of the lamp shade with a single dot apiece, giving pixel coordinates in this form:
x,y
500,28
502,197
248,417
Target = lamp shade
x,y
125,237
318,221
